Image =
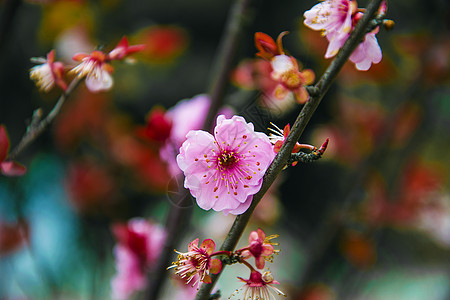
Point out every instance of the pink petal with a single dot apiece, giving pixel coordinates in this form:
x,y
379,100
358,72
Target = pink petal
x,y
103,82
240,209
267,250
11,168
193,245
208,245
216,266
261,234
260,262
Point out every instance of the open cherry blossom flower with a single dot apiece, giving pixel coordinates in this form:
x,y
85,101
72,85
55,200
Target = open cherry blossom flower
x,y
139,246
290,79
96,69
259,247
7,167
95,66
259,286
49,73
336,19
196,264
285,69
224,171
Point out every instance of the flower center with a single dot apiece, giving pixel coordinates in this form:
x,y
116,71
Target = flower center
x,y
227,159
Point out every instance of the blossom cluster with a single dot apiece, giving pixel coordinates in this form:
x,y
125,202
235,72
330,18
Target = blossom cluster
x,y
196,265
337,19
95,67
285,68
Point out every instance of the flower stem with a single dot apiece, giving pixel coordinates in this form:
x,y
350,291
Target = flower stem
x,y
36,127
227,253
302,120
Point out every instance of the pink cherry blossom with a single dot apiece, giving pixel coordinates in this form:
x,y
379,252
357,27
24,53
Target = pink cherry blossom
x,y
259,286
49,73
7,167
336,19
196,264
96,69
224,171
259,247
332,17
139,246
367,53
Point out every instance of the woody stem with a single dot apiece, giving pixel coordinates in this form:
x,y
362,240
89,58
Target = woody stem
x,y
37,128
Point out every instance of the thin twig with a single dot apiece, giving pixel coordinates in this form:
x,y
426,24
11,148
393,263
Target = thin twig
x,y
36,128
225,58
302,120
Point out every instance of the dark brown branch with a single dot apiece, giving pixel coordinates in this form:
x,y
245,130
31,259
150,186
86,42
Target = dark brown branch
x,y
302,120
37,126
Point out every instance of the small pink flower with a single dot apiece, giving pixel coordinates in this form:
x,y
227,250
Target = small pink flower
x,y
336,19
196,264
8,168
286,72
97,70
224,171
259,247
123,50
259,286
49,73
367,53
139,246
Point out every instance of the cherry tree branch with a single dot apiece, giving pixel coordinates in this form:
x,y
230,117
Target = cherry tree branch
x,y
38,125
317,93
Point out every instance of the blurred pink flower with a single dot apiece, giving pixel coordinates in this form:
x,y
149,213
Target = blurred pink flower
x,y
49,73
187,115
224,171
259,286
7,167
196,264
139,246
259,247
123,50
96,69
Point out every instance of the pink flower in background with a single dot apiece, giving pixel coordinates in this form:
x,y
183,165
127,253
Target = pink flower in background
x,y
139,246
259,247
196,264
96,69
336,19
7,167
259,286
187,115
224,171
49,73
286,72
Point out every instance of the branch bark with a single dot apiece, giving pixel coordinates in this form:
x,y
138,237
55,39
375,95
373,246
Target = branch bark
x,y
37,127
